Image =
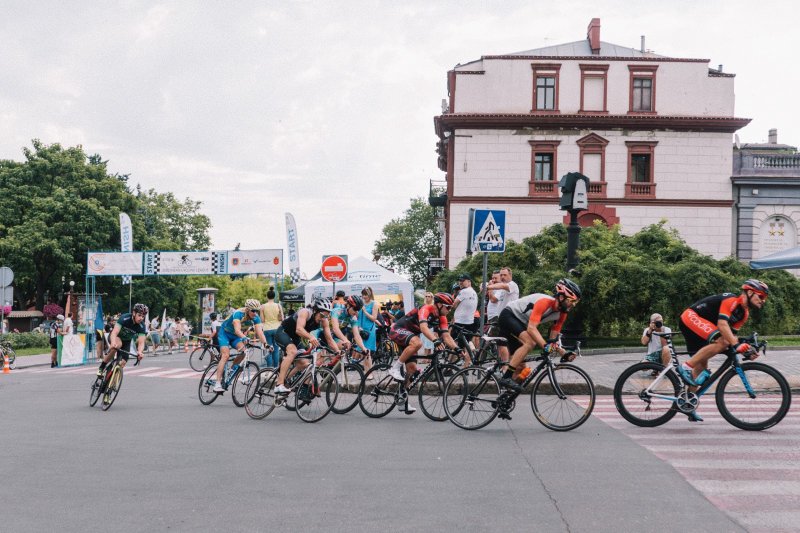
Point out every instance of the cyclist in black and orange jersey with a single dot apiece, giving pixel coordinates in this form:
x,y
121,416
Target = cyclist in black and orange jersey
x,y
425,320
519,322
710,326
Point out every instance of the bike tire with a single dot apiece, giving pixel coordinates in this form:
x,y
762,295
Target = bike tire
x,y
431,390
200,358
97,387
113,388
470,398
637,408
759,413
569,412
205,391
379,395
240,382
323,386
262,396
351,383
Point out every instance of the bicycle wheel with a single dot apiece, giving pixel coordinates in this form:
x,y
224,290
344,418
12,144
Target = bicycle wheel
x,y
97,388
770,401
568,410
261,394
241,380
431,390
639,407
206,390
311,400
470,398
200,358
112,388
379,395
351,381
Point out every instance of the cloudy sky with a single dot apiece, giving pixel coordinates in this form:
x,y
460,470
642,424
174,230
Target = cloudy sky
x,y
324,109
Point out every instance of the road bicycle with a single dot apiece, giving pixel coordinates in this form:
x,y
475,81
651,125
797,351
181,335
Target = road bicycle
x,y
485,355
386,350
562,394
749,395
313,391
346,365
381,392
109,383
202,356
236,376
7,351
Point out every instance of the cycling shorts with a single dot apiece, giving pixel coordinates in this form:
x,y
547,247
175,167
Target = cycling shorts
x,y
283,339
697,331
510,327
227,340
402,336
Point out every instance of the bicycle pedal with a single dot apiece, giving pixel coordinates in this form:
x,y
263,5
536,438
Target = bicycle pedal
x,y
504,416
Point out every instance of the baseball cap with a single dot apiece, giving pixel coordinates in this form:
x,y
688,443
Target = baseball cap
x,y
464,276
60,317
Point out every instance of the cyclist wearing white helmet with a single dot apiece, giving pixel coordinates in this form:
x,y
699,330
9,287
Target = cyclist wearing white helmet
x,y
230,334
298,328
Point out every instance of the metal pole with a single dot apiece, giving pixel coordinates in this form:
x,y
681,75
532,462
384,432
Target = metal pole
x,y
130,295
573,240
483,296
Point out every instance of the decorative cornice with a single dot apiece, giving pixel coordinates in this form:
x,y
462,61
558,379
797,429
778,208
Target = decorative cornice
x,y
661,202
587,121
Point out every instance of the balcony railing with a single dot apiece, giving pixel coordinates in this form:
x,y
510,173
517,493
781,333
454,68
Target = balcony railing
x,y
543,189
437,197
597,189
777,161
746,164
640,190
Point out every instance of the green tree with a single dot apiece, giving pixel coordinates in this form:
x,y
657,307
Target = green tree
x,y
407,242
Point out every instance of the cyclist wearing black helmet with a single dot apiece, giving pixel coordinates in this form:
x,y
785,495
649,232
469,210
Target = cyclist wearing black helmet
x,y
519,323
129,326
344,323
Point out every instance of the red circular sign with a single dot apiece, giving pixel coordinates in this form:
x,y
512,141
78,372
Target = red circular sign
x,y
334,268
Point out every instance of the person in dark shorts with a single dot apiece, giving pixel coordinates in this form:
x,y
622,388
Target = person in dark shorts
x,y
129,326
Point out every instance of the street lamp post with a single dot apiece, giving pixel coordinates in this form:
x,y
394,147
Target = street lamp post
x,y
574,199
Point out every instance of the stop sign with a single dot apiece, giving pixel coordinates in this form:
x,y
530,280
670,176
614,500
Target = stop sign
x,y
334,268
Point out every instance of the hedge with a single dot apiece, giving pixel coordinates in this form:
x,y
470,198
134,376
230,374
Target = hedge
x,y
27,340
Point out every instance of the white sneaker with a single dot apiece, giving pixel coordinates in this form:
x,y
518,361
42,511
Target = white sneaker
x,y
281,389
410,410
396,372
219,388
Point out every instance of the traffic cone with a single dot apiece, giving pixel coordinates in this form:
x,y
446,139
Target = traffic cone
x,y
186,346
6,366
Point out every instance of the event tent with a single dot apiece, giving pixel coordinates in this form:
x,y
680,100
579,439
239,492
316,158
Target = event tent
x,y
362,272
784,259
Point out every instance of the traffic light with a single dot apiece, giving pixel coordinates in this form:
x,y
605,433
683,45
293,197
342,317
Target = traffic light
x,y
574,192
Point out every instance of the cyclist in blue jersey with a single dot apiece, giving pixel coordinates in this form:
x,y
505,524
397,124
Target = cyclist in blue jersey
x,y
230,334
129,326
344,323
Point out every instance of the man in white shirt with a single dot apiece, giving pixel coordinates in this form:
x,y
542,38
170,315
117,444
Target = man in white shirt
x,y
155,334
493,302
506,290
466,303
657,350
66,327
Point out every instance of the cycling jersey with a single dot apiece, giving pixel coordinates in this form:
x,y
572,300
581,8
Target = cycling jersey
x,y
726,306
426,313
290,324
243,316
537,309
345,320
128,329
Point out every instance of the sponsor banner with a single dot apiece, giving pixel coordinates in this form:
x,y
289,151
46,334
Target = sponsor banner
x,y
254,262
114,263
179,263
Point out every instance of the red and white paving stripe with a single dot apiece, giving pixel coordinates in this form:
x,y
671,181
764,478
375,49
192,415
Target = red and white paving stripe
x,y
753,476
148,371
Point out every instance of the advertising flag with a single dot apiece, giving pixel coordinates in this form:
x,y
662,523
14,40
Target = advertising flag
x,y
126,239
292,248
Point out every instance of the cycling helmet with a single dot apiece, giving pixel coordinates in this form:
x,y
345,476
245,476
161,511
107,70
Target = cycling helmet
x,y
455,287
213,316
568,288
252,304
140,308
443,298
755,285
355,302
322,304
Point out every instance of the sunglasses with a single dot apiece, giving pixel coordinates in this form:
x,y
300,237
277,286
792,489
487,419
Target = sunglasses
x,y
761,296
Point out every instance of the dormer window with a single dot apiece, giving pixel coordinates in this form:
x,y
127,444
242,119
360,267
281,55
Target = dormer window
x,y
545,87
643,89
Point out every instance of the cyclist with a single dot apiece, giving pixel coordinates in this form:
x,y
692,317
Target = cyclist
x,y
426,320
230,334
129,326
519,322
298,328
344,323
710,325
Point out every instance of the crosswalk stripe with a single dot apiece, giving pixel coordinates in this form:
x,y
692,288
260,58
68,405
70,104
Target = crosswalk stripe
x,y
190,374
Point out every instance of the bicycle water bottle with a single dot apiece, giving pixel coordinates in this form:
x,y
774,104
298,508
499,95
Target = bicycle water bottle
x,y
524,374
702,377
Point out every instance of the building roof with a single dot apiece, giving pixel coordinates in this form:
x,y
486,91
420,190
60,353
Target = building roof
x,y
582,48
25,314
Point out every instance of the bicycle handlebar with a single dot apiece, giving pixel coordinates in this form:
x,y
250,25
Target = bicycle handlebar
x,y
135,356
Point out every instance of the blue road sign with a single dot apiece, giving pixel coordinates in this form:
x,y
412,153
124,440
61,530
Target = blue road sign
x,y
488,230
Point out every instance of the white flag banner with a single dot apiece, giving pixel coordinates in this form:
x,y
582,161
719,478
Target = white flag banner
x,y
126,239
114,263
292,248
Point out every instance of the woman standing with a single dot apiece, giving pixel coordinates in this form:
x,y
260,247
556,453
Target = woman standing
x,y
427,344
271,318
367,319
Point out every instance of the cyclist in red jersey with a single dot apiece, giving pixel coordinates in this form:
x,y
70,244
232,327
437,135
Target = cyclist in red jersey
x,y
405,332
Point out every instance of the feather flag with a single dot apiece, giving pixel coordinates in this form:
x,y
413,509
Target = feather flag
x,y
293,248
126,239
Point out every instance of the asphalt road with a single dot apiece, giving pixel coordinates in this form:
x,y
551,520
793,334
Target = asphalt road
x,y
158,460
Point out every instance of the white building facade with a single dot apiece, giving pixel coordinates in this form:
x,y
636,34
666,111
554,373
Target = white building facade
x,y
652,133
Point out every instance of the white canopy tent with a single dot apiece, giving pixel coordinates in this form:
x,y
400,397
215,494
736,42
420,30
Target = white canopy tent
x,y
362,272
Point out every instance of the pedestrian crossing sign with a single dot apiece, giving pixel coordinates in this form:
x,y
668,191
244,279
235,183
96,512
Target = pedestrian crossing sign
x,y
488,230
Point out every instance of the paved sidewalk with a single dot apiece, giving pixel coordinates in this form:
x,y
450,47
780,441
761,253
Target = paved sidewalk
x,y
604,368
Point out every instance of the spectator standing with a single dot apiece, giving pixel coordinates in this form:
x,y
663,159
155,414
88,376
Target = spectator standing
x,y
54,330
397,311
509,288
66,327
657,350
155,334
427,344
367,324
271,318
169,334
493,301
466,303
